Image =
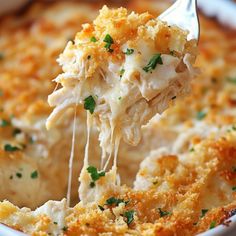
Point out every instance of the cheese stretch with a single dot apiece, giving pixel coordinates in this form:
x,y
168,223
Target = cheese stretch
x,y
124,69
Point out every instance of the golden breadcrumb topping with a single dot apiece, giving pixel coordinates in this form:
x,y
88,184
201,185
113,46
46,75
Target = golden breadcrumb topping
x,y
191,193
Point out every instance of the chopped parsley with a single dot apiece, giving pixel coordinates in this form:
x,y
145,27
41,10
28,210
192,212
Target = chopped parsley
x,y
10,148
204,211
16,131
4,123
34,174
122,71
89,104
31,140
129,215
93,39
101,207
119,98
109,41
192,149
234,188
1,56
95,175
173,98
163,213
213,224
156,59
231,80
55,223
115,201
65,228
19,175
129,51
201,115
234,128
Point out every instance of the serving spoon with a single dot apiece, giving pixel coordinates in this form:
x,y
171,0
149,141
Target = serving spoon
x,y
183,13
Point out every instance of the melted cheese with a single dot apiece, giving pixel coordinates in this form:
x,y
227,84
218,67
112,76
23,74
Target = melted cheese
x,y
127,93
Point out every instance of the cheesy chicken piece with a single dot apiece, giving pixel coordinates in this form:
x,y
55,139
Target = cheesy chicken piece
x,y
124,68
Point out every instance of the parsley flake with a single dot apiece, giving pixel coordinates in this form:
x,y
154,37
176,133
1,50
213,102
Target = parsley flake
x,y
115,201
10,148
89,104
109,41
204,211
65,228
213,224
234,188
129,51
19,175
192,149
101,207
163,213
1,56
34,174
95,175
4,123
93,39
55,223
231,80
122,71
234,128
129,215
16,131
156,59
201,115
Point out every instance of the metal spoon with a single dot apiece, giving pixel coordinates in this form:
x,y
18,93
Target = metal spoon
x,y
183,13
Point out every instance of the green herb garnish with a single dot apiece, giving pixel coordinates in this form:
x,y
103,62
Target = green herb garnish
x,y
109,41
89,104
204,211
16,131
115,201
34,174
55,223
65,228
129,215
19,175
163,213
213,224
234,128
95,175
101,208
231,80
4,123
173,98
129,51
192,149
10,148
201,115
1,56
156,59
122,71
234,188
93,39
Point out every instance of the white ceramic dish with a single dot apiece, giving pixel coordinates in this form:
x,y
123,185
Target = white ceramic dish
x,y
225,12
